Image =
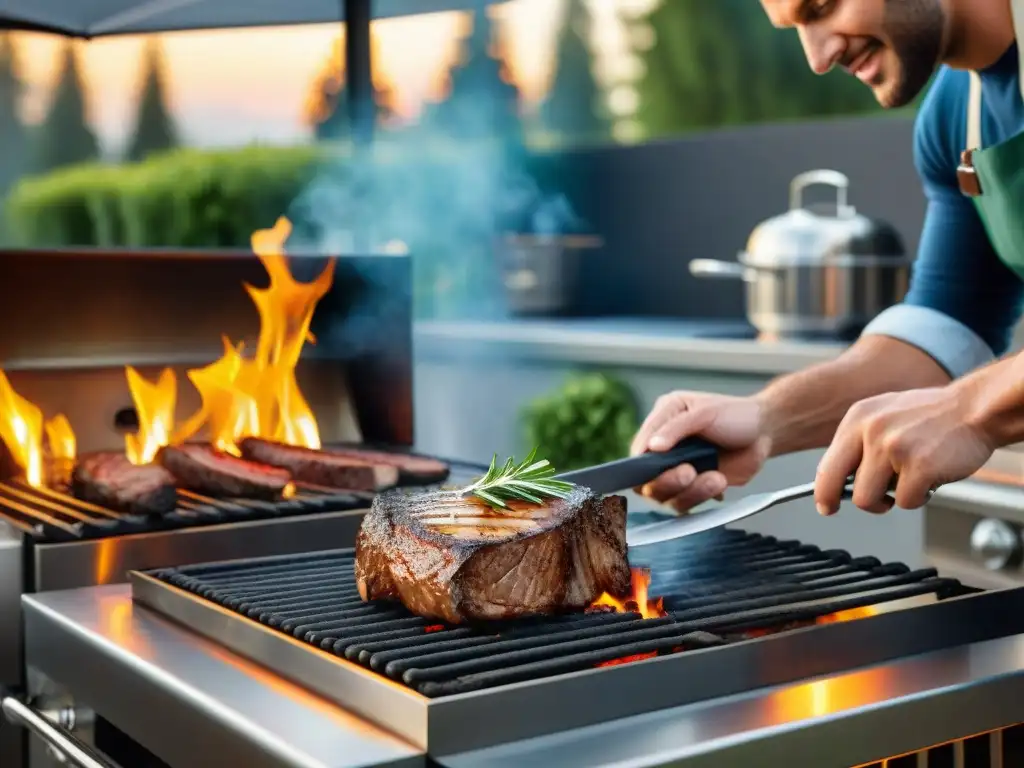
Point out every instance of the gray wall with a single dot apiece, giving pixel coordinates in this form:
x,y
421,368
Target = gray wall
x,y
661,204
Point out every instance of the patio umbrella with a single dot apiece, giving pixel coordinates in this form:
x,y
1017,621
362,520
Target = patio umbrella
x,y
99,18
103,18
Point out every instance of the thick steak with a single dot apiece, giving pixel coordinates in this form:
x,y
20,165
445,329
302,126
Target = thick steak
x,y
322,468
110,480
486,564
203,469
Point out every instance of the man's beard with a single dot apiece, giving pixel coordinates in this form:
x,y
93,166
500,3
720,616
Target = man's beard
x,y
915,31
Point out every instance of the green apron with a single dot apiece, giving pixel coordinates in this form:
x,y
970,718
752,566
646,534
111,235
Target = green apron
x,y
994,176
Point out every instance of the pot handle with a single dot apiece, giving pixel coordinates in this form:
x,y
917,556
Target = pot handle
x,y
822,176
729,270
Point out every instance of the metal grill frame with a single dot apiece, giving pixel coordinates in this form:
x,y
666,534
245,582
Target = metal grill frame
x,y
516,711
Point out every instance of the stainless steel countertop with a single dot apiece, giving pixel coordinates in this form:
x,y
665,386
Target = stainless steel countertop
x,y
637,343
186,699
193,703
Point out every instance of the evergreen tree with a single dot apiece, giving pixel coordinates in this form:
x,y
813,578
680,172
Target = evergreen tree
x,y
573,107
64,136
154,126
722,63
482,101
13,136
326,108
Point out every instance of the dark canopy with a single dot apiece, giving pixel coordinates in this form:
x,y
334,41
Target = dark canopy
x,y
97,18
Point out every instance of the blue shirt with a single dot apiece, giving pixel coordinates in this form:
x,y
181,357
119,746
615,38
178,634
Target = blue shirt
x,y
963,302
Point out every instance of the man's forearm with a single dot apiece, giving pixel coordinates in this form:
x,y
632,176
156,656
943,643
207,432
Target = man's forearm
x,y
802,410
994,399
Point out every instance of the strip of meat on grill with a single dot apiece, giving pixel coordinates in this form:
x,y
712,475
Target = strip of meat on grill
x,y
458,560
412,470
107,478
321,467
204,469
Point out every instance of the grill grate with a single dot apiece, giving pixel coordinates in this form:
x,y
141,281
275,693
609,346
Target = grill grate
x,y
718,587
53,516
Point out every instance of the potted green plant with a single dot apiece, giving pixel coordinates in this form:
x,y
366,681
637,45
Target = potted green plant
x,y
590,419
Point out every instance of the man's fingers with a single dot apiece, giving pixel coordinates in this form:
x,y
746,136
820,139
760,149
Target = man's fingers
x,y
871,485
685,424
707,486
671,483
663,409
839,462
912,490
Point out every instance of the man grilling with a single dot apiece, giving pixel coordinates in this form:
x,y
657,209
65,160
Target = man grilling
x,y
918,395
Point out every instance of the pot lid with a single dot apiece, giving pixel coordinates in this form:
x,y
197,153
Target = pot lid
x,y
804,235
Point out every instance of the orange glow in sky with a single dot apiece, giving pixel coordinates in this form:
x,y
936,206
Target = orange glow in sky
x,y
236,86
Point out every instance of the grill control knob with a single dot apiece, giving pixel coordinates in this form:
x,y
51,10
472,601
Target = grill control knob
x,y
996,543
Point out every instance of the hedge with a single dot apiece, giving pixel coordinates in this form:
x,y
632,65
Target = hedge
x,y
185,198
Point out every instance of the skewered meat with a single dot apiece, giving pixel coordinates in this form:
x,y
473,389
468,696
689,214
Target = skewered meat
x,y
323,468
109,479
458,560
204,469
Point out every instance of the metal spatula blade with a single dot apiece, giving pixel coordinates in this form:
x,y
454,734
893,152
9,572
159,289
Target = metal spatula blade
x,y
676,528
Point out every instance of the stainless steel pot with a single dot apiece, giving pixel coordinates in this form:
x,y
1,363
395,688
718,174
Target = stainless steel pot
x,y
817,274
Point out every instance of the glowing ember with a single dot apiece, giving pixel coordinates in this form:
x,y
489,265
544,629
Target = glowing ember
x,y
260,396
21,429
154,404
638,602
851,614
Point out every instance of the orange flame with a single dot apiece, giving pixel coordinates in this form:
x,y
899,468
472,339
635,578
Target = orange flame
x,y
22,427
260,396
638,601
154,404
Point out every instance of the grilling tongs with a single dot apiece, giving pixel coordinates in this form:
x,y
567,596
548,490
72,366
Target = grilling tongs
x,y
703,456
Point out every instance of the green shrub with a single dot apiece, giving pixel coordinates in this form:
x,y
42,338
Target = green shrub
x,y
589,420
57,209
183,198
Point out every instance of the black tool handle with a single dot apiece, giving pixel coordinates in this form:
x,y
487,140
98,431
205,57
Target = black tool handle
x,y
632,472
695,451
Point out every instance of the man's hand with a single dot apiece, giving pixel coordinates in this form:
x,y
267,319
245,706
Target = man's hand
x,y
926,436
734,424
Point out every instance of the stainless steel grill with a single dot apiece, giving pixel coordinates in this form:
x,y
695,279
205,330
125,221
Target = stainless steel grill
x,y
717,589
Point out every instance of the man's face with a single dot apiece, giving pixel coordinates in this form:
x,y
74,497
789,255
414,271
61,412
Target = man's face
x,y
893,46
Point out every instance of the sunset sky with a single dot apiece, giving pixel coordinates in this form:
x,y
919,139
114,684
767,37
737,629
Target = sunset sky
x,y
235,86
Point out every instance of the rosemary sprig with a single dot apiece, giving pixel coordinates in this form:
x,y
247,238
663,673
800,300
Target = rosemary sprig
x,y
530,480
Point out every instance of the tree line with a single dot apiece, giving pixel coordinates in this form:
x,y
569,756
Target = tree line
x,y
64,137
480,99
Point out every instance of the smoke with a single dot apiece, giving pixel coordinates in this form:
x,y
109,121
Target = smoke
x,y
450,196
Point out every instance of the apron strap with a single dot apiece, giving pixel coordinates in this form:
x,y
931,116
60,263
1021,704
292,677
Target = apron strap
x,y
974,95
974,112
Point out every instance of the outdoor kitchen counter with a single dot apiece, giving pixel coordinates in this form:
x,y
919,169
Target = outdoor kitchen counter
x,y
697,345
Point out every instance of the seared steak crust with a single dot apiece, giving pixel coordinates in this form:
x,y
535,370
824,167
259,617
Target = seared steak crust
x,y
110,480
487,565
324,468
203,469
